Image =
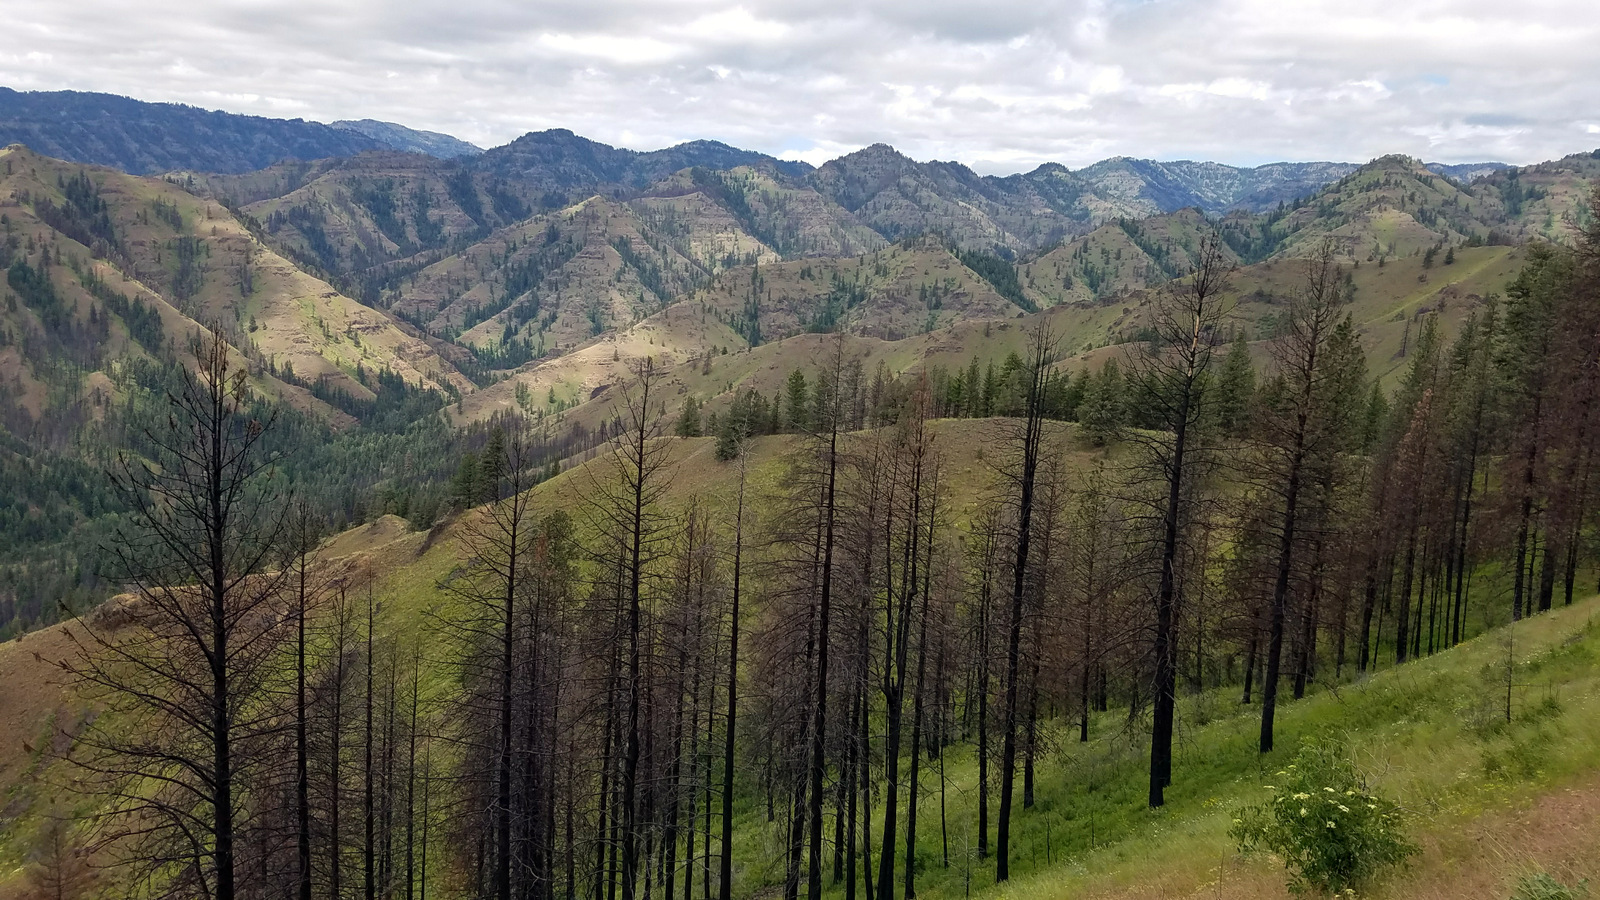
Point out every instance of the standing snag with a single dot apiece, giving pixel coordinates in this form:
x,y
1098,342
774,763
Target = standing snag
x,y
186,683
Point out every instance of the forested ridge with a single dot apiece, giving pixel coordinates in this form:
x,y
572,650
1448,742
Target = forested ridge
x,y
617,657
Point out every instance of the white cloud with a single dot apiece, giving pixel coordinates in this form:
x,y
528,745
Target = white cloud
x,y
626,50
1002,85
735,25
819,153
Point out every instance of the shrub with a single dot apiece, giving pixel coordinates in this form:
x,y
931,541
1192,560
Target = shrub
x,y
1332,832
1541,886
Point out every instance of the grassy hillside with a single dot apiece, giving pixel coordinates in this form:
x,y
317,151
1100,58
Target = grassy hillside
x,y
703,341
468,258
192,254
1117,258
557,280
1486,798
787,215
358,213
1546,201
104,266
1391,207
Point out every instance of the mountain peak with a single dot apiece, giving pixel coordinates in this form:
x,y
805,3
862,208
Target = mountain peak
x,y
548,136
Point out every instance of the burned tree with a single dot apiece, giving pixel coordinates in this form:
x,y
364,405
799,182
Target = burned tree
x,y
186,681
1173,387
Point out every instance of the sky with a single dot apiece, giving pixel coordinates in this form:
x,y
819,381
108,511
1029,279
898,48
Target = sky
x,y
1000,86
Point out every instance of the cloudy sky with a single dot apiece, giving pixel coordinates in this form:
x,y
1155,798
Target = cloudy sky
x,y
999,86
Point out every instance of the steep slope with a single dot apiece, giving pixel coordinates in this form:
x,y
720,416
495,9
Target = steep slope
x,y
1544,201
785,215
912,296
1116,258
715,377
1487,799
1390,207
375,219
105,264
145,138
410,140
899,197
559,278
356,214
692,217
552,168
556,280
1467,172
912,287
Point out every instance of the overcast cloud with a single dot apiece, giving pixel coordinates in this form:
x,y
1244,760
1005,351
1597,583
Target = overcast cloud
x,y
999,86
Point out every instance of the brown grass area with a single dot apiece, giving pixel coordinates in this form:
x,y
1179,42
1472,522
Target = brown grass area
x,y
35,694
1557,831
371,537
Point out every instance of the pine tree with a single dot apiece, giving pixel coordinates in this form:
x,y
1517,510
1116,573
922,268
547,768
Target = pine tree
x,y
1236,387
689,419
201,550
797,409
1306,424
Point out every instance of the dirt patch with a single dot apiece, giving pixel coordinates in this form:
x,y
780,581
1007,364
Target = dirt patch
x,y
1557,832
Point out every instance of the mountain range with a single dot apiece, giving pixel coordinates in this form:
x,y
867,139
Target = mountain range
x,y
528,276
150,138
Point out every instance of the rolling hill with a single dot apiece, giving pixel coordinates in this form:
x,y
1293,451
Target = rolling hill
x,y
1487,800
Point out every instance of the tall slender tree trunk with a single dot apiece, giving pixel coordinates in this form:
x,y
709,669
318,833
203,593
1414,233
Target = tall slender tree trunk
x,y
335,758
1033,437
819,723
411,776
982,688
222,815
849,776
1519,585
302,774
917,702
1402,640
1165,682
725,863
368,883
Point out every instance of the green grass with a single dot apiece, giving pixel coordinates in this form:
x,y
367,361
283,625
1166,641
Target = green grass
x,y
1430,734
